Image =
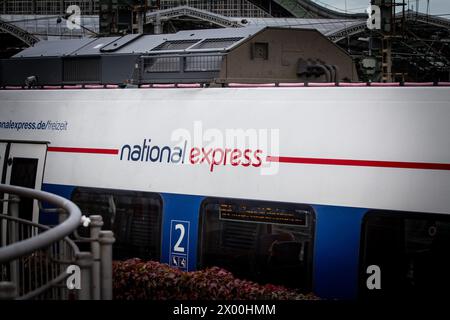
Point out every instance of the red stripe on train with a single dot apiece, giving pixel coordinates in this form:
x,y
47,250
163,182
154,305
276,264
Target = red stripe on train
x,y
297,160
84,150
361,163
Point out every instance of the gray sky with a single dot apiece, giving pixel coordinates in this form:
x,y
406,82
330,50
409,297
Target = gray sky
x,y
436,6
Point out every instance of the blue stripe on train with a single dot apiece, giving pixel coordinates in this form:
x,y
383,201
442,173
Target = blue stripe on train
x,y
180,208
61,190
336,245
336,251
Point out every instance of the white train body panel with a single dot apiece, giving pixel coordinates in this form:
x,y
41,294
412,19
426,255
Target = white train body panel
x,y
366,169
408,125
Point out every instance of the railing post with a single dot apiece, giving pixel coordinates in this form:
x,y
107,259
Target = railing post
x,y
13,205
106,240
7,290
95,225
84,261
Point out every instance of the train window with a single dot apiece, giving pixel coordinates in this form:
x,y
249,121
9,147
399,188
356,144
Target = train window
x,y
267,242
411,250
134,217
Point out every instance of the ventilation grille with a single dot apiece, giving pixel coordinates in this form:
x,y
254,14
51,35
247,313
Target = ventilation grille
x,y
162,64
216,43
203,63
175,45
81,70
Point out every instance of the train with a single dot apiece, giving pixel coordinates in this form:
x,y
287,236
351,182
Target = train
x,y
339,191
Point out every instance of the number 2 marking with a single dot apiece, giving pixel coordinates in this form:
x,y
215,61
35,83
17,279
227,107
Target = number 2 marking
x,y
177,247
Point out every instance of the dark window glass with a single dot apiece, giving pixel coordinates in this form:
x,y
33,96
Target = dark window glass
x,y
267,242
23,174
412,251
134,217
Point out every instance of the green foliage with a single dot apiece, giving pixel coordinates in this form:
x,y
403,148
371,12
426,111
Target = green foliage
x,y
135,279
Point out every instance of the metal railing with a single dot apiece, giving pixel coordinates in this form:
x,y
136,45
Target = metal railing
x,y
181,62
39,262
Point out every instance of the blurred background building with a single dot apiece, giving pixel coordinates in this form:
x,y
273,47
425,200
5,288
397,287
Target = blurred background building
x,y
411,46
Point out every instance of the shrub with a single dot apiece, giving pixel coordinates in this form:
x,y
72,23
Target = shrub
x,y
135,279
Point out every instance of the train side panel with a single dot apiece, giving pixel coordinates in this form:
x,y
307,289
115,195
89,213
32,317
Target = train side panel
x,y
384,148
334,153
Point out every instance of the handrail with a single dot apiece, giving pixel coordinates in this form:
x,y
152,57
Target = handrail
x,y
45,239
69,241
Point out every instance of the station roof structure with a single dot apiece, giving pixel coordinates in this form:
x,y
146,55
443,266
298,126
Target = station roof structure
x,y
421,47
311,9
325,26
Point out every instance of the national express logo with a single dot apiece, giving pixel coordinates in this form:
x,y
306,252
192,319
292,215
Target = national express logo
x,y
213,148
213,157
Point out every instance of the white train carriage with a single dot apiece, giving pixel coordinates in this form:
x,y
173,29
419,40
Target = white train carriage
x,y
305,187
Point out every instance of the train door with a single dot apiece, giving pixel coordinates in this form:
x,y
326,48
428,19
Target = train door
x,y
23,165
